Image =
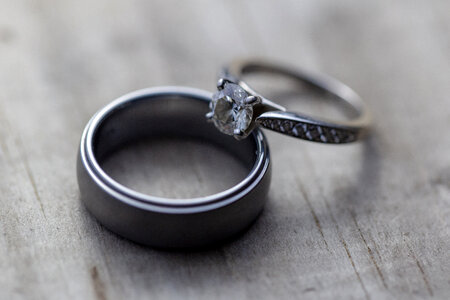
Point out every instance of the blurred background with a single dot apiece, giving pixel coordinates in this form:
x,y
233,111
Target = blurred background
x,y
369,220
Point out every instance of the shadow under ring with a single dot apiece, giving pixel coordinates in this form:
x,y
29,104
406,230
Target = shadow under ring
x,y
164,222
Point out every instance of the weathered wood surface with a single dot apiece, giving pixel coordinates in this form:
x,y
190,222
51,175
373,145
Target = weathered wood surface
x,y
369,220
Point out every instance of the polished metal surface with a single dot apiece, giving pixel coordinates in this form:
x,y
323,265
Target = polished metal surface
x,y
157,221
270,115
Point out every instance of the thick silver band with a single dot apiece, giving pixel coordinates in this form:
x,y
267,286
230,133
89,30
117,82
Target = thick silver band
x,y
156,221
277,118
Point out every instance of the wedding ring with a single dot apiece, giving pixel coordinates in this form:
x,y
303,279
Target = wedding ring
x,y
236,109
157,221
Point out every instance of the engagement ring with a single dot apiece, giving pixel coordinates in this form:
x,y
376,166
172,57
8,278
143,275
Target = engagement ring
x,y
236,109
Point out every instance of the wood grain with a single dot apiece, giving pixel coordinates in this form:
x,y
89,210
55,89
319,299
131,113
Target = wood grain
x,y
362,221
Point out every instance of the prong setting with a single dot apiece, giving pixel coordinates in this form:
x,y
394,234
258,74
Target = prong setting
x,y
252,100
230,112
221,83
239,134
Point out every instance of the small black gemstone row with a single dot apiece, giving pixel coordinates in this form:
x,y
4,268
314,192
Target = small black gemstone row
x,y
311,132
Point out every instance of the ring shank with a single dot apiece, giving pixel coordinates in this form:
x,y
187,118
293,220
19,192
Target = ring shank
x,y
300,125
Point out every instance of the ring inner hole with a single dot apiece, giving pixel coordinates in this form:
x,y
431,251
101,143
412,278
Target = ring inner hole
x,y
297,95
165,148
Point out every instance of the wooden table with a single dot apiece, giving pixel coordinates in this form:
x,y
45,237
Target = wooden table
x,y
368,220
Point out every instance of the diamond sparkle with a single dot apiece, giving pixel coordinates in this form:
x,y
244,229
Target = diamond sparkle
x,y
230,113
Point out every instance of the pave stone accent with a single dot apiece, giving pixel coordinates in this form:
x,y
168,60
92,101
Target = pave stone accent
x,y
311,132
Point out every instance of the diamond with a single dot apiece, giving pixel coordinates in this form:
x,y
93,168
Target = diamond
x,y
230,113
